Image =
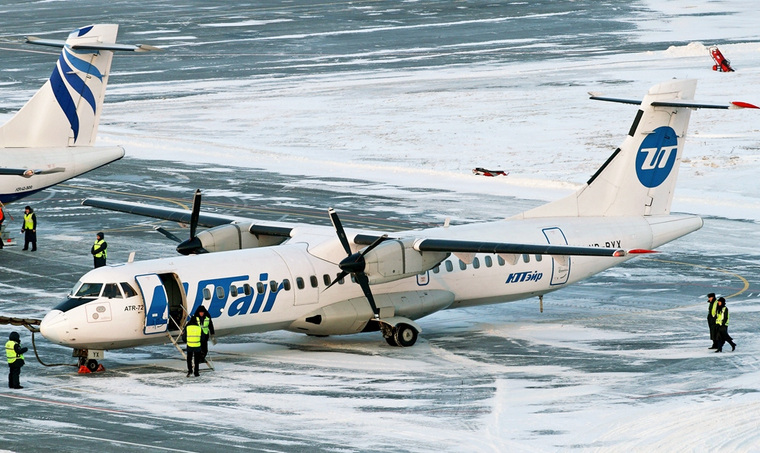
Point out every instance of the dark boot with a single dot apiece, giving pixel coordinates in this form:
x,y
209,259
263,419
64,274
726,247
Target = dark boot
x,y
733,346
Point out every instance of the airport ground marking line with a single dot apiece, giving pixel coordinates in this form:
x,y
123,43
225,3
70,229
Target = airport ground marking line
x,y
725,271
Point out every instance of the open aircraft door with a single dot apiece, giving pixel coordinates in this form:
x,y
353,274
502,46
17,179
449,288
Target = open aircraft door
x,y
156,303
560,267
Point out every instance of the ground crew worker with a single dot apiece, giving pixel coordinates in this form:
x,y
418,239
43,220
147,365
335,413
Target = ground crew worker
x,y
203,319
15,355
721,321
99,252
2,219
193,339
29,228
711,312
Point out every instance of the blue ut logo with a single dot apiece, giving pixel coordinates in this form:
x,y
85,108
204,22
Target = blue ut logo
x,y
656,156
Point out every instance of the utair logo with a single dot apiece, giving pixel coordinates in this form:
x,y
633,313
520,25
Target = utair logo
x,y
243,305
530,276
656,156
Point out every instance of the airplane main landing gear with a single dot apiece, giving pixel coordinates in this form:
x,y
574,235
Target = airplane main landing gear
x,y
401,334
87,360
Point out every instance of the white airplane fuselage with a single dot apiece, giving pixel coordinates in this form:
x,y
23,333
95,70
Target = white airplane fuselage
x,y
274,288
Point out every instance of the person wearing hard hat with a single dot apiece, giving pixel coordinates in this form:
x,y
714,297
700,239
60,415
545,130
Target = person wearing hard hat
x,y
15,355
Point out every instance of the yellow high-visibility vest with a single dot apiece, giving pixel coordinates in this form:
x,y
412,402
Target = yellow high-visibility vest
x,y
10,352
103,253
193,335
28,223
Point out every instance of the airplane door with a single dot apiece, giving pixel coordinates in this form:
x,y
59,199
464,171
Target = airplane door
x,y
560,271
304,278
156,303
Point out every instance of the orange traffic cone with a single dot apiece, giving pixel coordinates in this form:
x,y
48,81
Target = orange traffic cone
x,y
84,370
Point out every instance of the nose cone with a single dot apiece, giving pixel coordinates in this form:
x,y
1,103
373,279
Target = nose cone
x,y
55,327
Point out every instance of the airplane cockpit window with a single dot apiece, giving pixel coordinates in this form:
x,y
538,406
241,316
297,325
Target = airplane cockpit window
x,y
128,290
89,290
112,291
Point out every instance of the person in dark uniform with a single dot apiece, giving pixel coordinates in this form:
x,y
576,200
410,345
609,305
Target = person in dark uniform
x,y
721,321
711,312
2,219
15,355
99,250
29,228
203,319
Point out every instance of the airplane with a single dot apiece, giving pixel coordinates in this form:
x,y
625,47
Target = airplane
x,y
258,276
51,139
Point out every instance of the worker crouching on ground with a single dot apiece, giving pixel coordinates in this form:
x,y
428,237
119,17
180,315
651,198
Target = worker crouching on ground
x,y
15,354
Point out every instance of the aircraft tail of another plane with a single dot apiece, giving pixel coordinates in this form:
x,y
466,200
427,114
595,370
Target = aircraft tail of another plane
x,y
639,178
66,110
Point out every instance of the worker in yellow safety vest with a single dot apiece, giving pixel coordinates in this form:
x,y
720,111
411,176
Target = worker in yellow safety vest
x,y
29,228
193,339
203,319
99,250
15,355
721,321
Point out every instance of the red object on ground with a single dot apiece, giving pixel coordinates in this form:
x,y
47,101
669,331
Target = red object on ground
x,y
484,172
721,63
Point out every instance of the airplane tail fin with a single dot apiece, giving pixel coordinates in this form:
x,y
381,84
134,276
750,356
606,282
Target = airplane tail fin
x,y
640,176
66,110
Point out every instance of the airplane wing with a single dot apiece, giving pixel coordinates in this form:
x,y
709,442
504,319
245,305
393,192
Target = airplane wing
x,y
29,172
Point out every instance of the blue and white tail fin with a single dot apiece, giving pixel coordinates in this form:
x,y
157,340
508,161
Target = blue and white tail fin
x,y
639,178
66,110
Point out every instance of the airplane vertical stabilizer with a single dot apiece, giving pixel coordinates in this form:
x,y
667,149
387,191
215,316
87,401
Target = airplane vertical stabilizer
x,y
66,110
640,176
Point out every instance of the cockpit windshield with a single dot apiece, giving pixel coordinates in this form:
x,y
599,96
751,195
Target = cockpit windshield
x,y
88,290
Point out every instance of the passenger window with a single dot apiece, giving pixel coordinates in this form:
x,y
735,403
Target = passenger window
x,y
111,291
526,258
539,257
273,286
326,279
300,283
206,294
314,281
437,269
260,288
500,260
219,292
353,279
247,289
341,281
476,263
488,260
286,284
462,265
89,290
449,266
233,291
128,290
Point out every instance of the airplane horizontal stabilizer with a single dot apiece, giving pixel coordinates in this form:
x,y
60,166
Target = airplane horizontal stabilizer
x,y
92,46
681,104
447,245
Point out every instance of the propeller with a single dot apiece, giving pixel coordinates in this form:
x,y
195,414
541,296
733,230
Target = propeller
x,y
354,263
192,245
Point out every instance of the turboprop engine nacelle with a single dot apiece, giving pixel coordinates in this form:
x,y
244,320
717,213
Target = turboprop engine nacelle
x,y
395,259
234,236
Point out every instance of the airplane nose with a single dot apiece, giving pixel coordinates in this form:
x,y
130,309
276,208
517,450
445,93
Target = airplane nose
x,y
55,327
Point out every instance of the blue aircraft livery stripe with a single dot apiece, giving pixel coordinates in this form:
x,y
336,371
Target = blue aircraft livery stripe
x,y
61,93
83,31
82,65
78,85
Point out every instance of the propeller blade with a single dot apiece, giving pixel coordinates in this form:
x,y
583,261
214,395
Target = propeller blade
x,y
339,229
375,244
196,213
340,276
168,234
363,281
192,246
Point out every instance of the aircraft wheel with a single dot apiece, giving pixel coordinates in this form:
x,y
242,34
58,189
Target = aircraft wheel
x,y
391,340
92,365
405,335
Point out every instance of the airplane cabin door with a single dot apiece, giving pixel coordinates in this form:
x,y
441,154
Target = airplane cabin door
x,y
560,271
156,303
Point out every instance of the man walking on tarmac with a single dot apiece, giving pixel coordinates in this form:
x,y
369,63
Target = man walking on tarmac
x,y
193,340
711,313
721,321
203,319
15,354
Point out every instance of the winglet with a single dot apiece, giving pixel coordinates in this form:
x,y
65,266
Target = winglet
x,y
640,251
742,105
